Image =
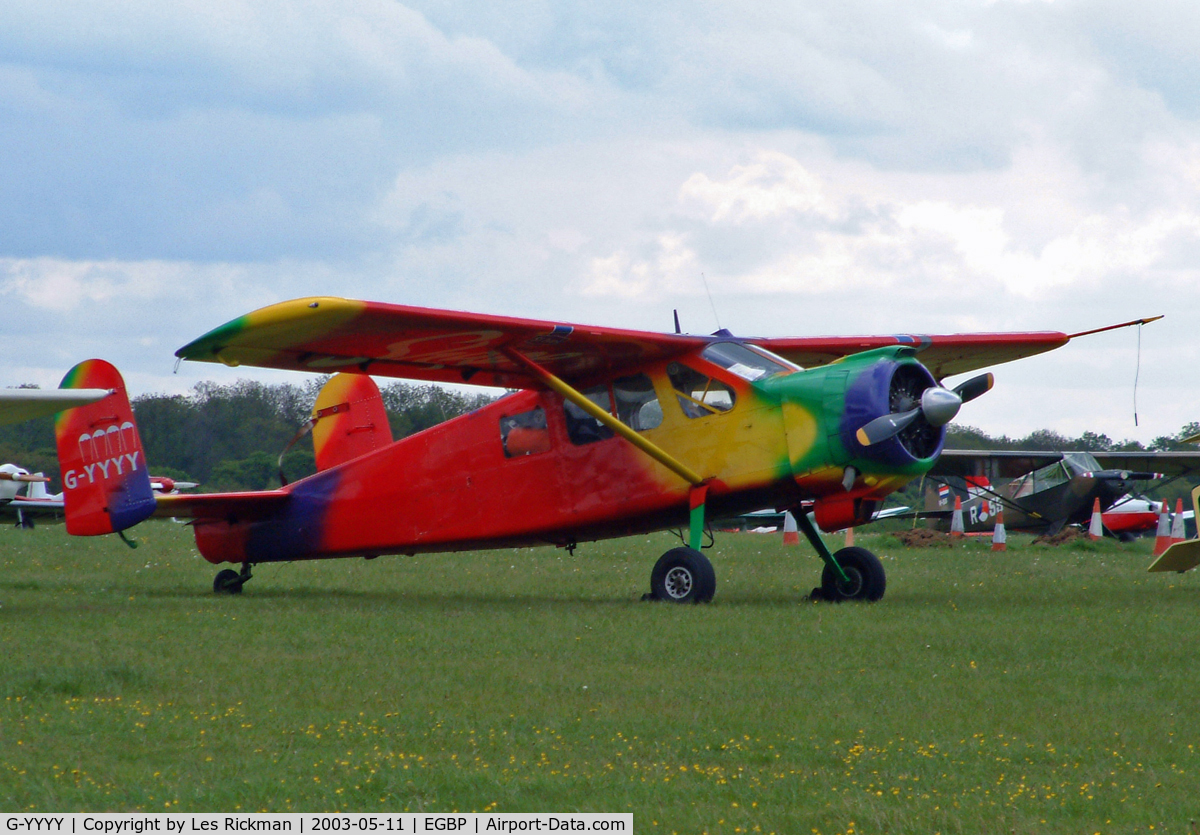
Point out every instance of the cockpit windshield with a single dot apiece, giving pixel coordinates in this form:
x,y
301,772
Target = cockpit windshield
x,y
746,362
1060,472
1081,462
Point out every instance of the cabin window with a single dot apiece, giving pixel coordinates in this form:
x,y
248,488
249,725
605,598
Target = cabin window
x,y
699,395
637,404
1052,475
582,428
744,361
525,433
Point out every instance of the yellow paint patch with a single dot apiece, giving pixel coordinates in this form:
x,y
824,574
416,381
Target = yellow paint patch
x,y
801,428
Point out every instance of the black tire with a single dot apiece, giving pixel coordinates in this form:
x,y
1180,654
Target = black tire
x,y
683,575
227,581
867,579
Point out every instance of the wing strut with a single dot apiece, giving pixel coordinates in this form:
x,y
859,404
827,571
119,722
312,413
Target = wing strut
x,y
699,486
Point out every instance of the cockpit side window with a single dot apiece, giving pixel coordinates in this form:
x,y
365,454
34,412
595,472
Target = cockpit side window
x,y
699,395
637,403
524,433
744,361
1049,476
582,428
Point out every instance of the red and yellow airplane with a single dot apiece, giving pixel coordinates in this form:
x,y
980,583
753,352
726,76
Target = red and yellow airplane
x,y
609,433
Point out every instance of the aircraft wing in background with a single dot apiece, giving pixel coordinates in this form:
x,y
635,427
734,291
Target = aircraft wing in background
x,y
17,405
1002,464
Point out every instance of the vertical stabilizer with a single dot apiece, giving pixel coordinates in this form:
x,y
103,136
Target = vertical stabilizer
x,y
106,487
349,420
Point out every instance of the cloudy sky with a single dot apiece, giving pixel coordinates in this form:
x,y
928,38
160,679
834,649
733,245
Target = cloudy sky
x,y
825,167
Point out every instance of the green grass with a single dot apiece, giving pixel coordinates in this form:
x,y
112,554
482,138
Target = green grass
x,y
1042,689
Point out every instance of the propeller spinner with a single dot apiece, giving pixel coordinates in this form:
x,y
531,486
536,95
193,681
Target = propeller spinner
x,y
936,405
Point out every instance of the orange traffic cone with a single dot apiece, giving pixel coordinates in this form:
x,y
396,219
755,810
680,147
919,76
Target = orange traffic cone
x,y
1177,523
791,535
956,521
999,537
1162,537
1096,528
849,537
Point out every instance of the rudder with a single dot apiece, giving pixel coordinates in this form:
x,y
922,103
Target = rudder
x,y
106,486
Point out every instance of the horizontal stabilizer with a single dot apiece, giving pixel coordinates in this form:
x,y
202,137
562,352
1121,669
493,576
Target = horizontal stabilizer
x,y
230,507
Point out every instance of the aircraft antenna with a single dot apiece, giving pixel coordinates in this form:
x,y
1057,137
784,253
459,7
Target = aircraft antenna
x,y
1137,371
710,300
677,328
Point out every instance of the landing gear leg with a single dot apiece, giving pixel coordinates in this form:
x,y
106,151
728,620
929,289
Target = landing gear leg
x,y
850,574
229,581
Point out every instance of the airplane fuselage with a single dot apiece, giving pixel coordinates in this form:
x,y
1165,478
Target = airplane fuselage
x,y
531,469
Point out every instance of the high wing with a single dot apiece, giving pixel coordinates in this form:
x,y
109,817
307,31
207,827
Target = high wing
x,y
327,334
944,355
1013,463
995,463
1171,463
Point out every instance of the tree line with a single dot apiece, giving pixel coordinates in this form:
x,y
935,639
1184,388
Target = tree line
x,y
1047,440
230,437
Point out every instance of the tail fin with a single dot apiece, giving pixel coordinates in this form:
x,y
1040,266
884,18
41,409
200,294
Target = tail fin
x,y
106,486
349,420
37,490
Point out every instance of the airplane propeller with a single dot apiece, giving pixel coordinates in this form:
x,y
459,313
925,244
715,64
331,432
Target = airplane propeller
x,y
937,405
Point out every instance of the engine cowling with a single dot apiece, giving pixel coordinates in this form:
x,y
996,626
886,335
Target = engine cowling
x,y
824,408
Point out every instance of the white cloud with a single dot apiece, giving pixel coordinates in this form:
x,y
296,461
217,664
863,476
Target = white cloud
x,y
773,185
822,167
63,287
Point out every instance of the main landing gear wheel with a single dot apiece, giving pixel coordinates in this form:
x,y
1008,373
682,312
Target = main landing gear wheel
x,y
866,578
229,581
682,575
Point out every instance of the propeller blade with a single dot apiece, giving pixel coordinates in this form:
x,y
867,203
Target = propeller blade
x,y
974,387
938,407
885,427
25,477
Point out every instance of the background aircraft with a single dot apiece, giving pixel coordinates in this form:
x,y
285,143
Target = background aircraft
x,y
609,433
1040,492
22,404
23,497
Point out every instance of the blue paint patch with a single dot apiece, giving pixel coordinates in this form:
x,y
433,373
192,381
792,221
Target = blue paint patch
x,y
868,397
132,502
560,333
296,532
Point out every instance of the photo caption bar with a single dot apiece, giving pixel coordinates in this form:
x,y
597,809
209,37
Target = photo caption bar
x,y
182,823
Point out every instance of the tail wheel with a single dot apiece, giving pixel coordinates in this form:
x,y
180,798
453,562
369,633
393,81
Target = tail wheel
x,y
864,571
228,581
683,575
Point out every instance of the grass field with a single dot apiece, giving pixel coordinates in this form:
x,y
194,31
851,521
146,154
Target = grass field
x,y
1040,690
